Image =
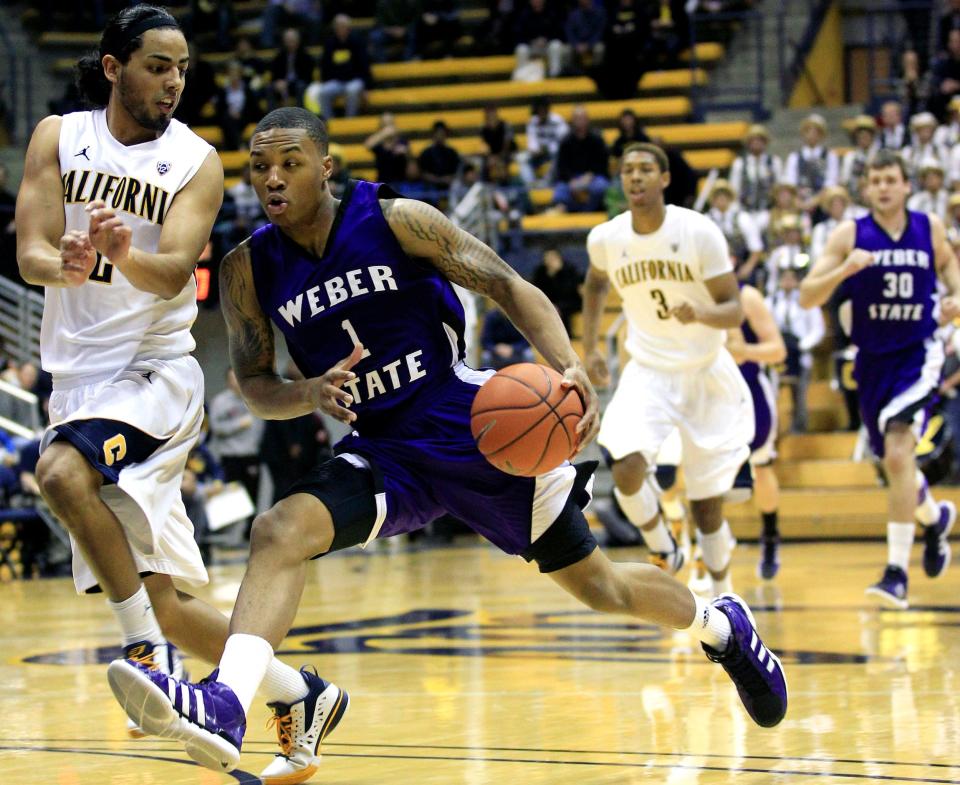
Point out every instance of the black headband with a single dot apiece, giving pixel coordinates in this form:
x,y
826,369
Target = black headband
x,y
135,31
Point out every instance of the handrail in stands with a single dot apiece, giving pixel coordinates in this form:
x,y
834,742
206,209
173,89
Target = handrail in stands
x,y
21,310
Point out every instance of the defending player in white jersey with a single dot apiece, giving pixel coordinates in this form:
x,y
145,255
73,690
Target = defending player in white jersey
x,y
115,207
672,268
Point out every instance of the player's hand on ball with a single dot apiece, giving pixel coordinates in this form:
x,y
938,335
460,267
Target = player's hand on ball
x,y
857,260
597,369
78,258
108,233
685,313
589,424
949,309
328,393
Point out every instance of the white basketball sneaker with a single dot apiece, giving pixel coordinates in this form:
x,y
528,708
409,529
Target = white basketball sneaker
x,y
301,727
162,657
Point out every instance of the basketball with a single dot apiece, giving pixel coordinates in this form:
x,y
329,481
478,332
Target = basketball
x,y
524,422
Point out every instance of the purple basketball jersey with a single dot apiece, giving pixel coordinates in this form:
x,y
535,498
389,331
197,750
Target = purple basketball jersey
x,y
364,288
894,299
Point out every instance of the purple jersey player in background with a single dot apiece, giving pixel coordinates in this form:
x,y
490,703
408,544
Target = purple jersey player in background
x,y
361,289
888,264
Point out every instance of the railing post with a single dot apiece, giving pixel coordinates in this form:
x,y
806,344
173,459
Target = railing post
x,y
782,53
761,111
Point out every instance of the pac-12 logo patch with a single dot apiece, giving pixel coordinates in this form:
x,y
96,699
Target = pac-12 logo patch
x,y
163,167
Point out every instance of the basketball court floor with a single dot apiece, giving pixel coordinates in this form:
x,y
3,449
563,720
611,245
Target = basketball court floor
x,y
466,667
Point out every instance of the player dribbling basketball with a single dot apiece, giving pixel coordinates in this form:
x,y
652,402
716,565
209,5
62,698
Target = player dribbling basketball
x,y
672,268
360,286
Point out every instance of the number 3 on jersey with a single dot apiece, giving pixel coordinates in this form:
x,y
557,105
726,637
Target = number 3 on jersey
x,y
663,310
345,324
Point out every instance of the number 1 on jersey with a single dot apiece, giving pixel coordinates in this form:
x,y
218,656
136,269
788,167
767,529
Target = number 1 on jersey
x,y
345,324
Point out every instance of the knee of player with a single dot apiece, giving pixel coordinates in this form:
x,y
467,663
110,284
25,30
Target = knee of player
x,y
629,473
898,454
61,481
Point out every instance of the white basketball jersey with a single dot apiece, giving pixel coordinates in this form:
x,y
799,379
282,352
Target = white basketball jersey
x,y
97,329
654,272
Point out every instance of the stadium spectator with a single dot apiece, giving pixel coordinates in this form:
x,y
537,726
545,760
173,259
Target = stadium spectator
x,y
561,282
213,19
625,48
438,161
203,478
538,32
814,166
582,166
545,130
306,15
835,204
683,180
912,86
953,227
945,76
393,36
585,28
510,196
948,134
853,169
390,150
199,89
739,228
922,147
893,132
291,70
498,38
253,67
790,252
339,172
755,171
497,134
950,20
237,106
344,68
501,343
932,196
630,130
669,31
438,28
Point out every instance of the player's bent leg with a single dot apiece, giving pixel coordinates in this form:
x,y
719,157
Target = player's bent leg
x,y
725,626
71,487
767,495
716,541
937,521
188,622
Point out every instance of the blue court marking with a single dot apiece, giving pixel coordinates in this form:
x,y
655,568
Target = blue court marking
x,y
242,777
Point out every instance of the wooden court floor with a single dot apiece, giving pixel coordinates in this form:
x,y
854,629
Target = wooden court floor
x,y
467,667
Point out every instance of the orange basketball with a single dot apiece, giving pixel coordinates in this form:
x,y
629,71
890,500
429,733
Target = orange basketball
x,y
524,422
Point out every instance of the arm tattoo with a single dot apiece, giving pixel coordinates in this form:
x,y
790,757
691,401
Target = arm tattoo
x,y
425,232
251,338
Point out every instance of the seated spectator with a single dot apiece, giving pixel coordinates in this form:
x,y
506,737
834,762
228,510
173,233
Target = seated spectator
x,y
497,134
814,166
560,281
498,32
339,172
669,32
582,166
306,15
743,236
203,477
393,36
932,197
802,330
237,106
291,70
630,131
950,20
785,202
438,28
585,28
240,215
510,196
253,67
412,185
755,171
199,89
682,189
835,203
344,68
545,130
922,147
539,33
389,149
470,203
953,229
945,76
207,17
854,166
893,132
948,134
912,86
502,343
791,252
626,45
439,162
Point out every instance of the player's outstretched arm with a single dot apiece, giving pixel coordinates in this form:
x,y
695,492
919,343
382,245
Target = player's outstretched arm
x,y
426,233
186,230
250,336
839,261
45,255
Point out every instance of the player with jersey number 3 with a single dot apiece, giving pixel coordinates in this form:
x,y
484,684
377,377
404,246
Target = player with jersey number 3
x,y
361,289
888,265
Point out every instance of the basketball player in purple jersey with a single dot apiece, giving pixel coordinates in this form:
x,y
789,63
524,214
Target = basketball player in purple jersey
x,y
888,265
361,289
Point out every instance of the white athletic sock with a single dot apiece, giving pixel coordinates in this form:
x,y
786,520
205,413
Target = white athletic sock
x,y
243,665
137,619
640,507
710,625
283,684
899,543
658,538
928,511
716,548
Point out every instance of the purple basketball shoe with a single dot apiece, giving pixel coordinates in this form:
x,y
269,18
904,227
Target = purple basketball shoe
x,y
755,670
206,717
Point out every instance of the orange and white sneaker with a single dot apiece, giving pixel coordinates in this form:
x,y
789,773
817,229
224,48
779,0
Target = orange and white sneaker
x,y
301,727
669,561
163,657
